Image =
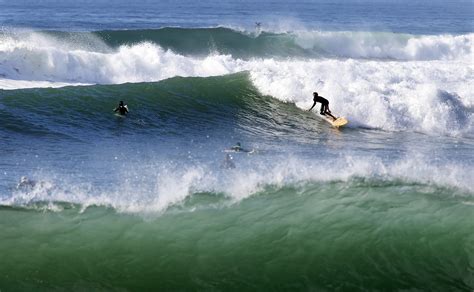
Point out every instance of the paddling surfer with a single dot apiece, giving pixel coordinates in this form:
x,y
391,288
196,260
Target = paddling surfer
x,y
324,105
238,148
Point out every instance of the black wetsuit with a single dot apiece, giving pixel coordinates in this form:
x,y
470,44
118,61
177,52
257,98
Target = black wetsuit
x,y
324,104
122,109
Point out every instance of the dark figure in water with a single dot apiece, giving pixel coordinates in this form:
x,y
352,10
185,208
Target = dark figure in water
x,y
122,109
238,148
324,105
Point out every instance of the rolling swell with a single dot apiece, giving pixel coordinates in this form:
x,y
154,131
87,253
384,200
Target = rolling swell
x,y
189,104
204,41
311,236
255,44
309,44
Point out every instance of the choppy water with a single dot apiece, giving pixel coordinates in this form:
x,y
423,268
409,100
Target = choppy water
x,y
150,202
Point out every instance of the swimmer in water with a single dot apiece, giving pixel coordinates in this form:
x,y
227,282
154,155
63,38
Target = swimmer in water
x,y
122,109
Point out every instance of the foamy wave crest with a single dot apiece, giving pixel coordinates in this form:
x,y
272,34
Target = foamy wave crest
x,y
378,45
429,96
156,189
41,59
87,59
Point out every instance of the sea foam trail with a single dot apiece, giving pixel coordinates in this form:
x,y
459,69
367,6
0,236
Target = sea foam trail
x,y
428,96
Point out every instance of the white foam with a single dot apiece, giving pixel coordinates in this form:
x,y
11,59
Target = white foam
x,y
430,96
427,96
42,63
382,45
10,84
166,185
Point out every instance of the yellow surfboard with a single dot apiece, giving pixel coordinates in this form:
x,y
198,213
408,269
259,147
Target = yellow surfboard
x,y
339,122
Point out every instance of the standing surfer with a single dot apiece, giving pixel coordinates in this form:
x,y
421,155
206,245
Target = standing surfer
x,y
324,105
122,109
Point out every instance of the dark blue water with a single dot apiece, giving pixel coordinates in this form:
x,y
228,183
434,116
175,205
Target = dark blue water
x,y
417,17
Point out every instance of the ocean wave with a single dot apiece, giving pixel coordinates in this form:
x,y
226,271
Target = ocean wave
x,y
58,47
167,184
310,226
298,43
432,97
430,93
387,46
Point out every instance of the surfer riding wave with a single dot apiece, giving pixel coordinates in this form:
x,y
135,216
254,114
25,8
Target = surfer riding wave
x,y
324,105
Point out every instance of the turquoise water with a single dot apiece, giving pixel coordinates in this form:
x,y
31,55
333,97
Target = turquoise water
x,y
156,201
359,235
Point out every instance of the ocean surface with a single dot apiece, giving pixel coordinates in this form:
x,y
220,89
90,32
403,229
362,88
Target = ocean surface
x,y
156,201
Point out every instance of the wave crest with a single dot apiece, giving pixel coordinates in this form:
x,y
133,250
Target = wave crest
x,y
378,45
420,95
167,184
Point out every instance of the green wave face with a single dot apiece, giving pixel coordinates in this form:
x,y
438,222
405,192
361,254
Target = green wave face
x,y
214,103
195,41
337,236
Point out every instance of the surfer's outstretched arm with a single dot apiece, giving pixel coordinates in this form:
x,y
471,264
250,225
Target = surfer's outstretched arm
x,y
312,106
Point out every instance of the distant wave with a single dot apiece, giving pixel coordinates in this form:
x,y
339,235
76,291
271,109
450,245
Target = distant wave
x,y
301,43
262,44
385,45
33,59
